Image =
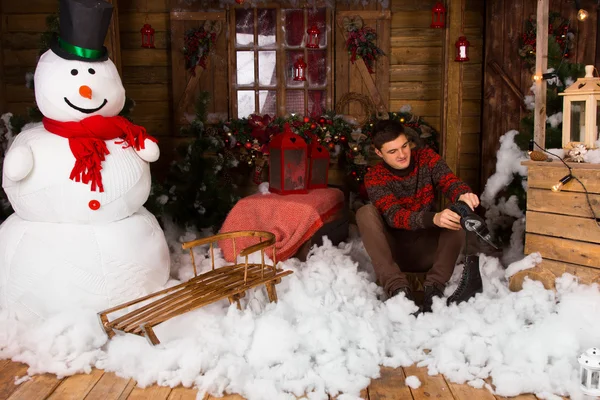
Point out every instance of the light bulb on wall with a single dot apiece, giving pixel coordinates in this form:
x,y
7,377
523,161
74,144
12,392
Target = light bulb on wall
x,y
562,182
582,14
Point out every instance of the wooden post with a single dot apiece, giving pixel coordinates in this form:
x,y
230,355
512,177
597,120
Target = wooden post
x,y
113,41
597,58
541,65
451,113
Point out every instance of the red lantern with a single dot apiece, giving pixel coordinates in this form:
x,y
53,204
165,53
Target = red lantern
x,y
313,37
300,69
287,163
318,165
438,16
462,49
147,36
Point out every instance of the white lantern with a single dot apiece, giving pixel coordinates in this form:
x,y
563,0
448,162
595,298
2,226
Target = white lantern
x,y
581,111
589,371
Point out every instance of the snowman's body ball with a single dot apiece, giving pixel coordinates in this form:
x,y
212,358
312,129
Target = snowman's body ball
x,y
49,268
47,194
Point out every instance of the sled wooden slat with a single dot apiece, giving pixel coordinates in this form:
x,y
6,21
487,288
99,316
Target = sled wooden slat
x,y
229,282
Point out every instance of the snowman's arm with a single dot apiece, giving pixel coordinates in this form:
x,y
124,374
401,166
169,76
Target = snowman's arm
x,y
18,163
150,152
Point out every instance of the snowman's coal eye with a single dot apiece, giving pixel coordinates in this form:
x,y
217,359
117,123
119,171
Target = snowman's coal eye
x,y
74,72
91,71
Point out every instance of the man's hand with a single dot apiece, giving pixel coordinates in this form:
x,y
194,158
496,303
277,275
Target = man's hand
x,y
471,199
447,219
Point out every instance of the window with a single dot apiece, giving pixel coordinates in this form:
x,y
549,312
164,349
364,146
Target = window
x,y
266,44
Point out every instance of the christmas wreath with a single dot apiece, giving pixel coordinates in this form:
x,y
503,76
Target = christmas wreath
x,y
198,44
560,40
360,42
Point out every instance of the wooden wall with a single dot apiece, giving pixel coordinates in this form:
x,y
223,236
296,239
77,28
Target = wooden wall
x,y
416,74
20,43
505,21
415,66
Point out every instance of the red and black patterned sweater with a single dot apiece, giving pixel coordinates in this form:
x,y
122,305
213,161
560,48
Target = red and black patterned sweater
x,y
405,197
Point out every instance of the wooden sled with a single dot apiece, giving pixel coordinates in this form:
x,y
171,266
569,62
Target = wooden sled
x,y
229,282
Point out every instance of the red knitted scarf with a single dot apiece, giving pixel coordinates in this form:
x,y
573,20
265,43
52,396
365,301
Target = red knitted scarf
x,y
86,140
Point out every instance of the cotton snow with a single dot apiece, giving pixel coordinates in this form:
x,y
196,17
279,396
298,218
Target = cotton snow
x,y
413,382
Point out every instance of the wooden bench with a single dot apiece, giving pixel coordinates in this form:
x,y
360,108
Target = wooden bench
x,y
229,282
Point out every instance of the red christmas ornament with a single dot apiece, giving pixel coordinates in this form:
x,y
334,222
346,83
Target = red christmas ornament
x,y
248,145
343,139
300,69
306,120
313,126
438,16
147,36
462,49
313,37
322,121
239,1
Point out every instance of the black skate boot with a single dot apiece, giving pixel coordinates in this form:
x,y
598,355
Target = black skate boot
x,y
470,282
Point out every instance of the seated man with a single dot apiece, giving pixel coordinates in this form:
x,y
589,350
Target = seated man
x,y
400,229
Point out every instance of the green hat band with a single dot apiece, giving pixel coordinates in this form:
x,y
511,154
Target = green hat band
x,y
80,51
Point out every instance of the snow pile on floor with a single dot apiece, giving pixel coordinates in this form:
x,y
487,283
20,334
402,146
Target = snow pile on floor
x,y
330,332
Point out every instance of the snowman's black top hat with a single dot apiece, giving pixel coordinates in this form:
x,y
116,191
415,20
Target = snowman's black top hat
x,y
83,27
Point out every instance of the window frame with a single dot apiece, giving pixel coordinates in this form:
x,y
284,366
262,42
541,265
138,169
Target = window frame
x,y
281,86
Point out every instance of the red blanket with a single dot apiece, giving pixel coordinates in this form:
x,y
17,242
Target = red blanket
x,y
293,218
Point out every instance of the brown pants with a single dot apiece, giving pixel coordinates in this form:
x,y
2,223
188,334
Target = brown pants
x,y
396,251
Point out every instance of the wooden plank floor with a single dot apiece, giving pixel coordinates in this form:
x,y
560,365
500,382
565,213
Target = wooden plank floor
x,y
100,385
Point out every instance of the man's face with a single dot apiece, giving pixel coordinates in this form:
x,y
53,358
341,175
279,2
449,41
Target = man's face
x,y
396,153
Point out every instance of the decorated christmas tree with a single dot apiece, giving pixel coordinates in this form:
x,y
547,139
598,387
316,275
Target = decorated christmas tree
x,y
200,187
504,196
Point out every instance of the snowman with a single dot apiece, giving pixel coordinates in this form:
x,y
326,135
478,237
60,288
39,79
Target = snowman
x,y
80,236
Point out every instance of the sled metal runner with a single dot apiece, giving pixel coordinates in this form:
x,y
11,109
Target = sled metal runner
x,y
229,282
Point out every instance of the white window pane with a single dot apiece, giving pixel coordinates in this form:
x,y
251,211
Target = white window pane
x,y
245,68
294,27
245,103
267,102
317,17
317,68
266,26
244,27
267,61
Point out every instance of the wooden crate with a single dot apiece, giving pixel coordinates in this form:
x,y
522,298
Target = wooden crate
x,y
560,225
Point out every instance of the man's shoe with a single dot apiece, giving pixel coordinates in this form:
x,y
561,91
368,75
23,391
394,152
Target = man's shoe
x,y
407,293
429,292
470,282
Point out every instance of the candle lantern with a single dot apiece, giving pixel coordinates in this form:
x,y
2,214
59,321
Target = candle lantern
x,y
581,111
300,69
589,371
462,49
313,37
318,165
147,36
438,16
287,163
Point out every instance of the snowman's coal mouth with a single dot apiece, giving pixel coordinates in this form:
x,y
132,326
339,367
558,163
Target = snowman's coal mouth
x,y
85,110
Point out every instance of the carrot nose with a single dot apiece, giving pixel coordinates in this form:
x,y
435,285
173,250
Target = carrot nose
x,y
85,91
